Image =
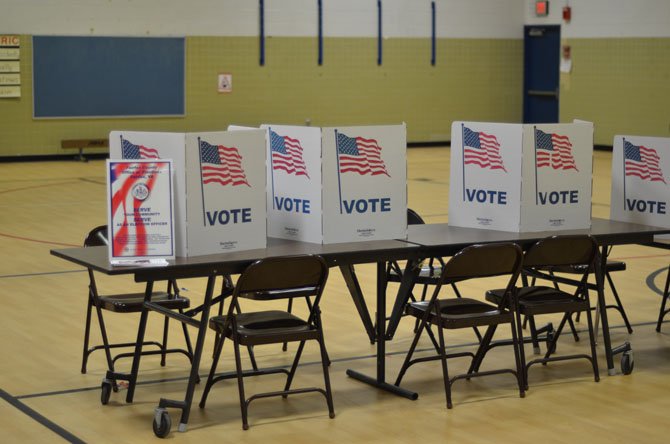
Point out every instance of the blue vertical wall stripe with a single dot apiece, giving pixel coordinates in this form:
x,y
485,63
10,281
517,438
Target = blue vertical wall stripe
x,y
379,33
432,35
261,13
320,23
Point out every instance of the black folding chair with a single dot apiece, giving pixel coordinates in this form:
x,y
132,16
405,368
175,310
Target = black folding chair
x,y
127,303
477,261
270,280
577,251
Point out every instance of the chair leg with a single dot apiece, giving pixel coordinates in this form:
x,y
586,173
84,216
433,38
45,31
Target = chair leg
x,y
105,340
483,348
289,309
244,406
410,352
325,361
218,347
661,313
573,329
533,334
294,367
521,350
445,370
517,357
551,345
618,303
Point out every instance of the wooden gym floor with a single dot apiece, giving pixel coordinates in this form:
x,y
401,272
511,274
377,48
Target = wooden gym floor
x,y
47,205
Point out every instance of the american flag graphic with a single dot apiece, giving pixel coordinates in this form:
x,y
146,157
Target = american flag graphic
x,y
125,208
554,150
481,149
642,162
221,165
359,155
287,155
132,151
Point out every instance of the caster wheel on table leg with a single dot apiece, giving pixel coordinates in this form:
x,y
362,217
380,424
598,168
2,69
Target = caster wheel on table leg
x,y
162,423
627,362
105,391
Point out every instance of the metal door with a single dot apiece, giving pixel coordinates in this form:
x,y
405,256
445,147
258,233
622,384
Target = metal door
x,y
541,73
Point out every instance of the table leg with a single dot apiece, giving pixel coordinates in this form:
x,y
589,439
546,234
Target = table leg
x,y
354,287
193,379
380,380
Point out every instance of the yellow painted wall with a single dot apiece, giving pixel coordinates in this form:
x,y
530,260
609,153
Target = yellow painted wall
x,y
474,79
623,85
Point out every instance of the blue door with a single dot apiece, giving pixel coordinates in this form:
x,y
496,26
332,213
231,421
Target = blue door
x,y
542,44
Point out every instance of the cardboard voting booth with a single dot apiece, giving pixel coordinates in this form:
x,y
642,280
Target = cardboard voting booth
x,y
640,192
512,177
332,185
219,185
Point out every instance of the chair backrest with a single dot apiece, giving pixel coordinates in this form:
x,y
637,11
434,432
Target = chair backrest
x,y
97,237
484,260
282,278
413,218
561,250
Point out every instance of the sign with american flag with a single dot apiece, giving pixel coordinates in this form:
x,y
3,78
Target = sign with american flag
x,y
642,162
287,155
131,151
553,150
481,149
140,211
359,155
640,192
221,165
226,192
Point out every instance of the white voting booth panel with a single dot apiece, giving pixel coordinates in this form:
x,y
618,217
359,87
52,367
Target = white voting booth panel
x,y
640,167
513,177
332,185
225,183
215,209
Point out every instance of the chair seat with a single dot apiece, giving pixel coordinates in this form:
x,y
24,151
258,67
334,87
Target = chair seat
x,y
610,266
542,299
132,302
266,327
460,313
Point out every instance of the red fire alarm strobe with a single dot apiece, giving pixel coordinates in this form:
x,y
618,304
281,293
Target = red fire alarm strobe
x,y
542,8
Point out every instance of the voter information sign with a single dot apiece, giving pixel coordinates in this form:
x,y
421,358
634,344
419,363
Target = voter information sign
x,y
514,177
140,211
138,145
640,180
226,198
